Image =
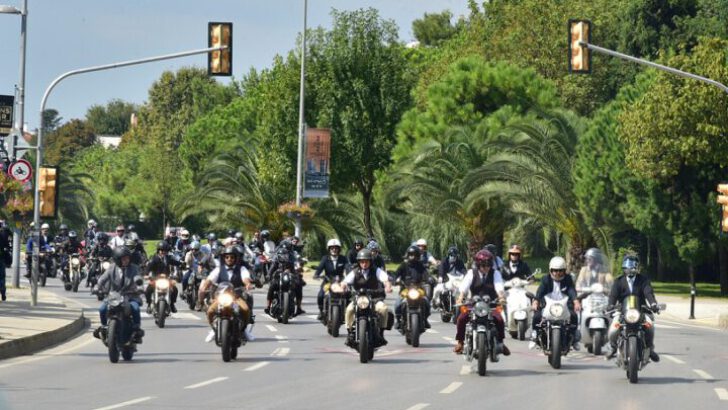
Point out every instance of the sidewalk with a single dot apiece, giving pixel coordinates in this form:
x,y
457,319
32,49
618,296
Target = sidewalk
x,y
25,330
710,312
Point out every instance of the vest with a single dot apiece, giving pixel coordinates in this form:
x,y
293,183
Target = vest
x,y
481,287
371,282
233,276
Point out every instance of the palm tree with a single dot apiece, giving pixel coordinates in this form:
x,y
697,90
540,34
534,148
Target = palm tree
x,y
75,198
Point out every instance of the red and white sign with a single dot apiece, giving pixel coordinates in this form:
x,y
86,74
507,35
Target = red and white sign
x,y
20,170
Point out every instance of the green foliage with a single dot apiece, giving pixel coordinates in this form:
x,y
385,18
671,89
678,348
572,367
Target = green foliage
x,y
65,141
112,119
434,28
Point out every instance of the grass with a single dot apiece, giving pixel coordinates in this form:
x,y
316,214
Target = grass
x,y
710,290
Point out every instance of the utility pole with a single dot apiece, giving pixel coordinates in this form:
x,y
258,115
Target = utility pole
x,y
301,126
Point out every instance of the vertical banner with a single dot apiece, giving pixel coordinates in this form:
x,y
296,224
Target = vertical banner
x,y
318,155
6,114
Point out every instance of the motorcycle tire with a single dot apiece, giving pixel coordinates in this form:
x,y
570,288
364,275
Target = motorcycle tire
x,y
99,297
335,322
633,361
492,344
234,353
127,354
111,341
522,328
67,286
286,308
161,313
598,342
415,329
428,290
445,316
482,353
226,339
76,282
192,301
555,356
363,341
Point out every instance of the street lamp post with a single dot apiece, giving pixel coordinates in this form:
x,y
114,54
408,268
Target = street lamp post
x,y
19,121
301,128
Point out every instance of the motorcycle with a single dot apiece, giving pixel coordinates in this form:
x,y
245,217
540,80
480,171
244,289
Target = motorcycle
x,y
553,333
74,266
367,336
519,312
161,299
413,318
229,324
480,332
43,268
633,354
283,306
119,335
448,309
97,268
594,321
191,293
334,305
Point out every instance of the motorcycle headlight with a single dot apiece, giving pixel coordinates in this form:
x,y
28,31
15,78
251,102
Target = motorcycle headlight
x,y
481,309
225,299
75,262
597,288
336,288
556,310
105,265
162,284
413,294
632,316
285,278
362,302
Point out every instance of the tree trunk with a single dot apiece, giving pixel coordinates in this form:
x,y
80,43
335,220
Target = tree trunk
x,y
723,268
366,194
661,274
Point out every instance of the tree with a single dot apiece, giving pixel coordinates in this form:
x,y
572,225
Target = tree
x,y
50,121
67,140
434,28
112,119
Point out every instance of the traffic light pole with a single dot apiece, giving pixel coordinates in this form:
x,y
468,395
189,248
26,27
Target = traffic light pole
x,y
39,146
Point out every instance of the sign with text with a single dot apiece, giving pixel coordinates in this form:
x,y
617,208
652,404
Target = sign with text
x,y
7,103
318,155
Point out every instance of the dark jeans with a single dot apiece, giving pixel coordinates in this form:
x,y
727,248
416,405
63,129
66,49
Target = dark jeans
x,y
464,318
135,313
2,277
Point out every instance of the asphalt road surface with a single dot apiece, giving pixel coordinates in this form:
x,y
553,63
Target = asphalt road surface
x,y
300,366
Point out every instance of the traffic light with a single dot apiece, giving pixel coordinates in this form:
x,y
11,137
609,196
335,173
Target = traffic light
x,y
579,56
723,201
48,191
220,62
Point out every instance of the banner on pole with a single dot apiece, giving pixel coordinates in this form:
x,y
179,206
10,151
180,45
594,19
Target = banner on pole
x,y
318,155
7,103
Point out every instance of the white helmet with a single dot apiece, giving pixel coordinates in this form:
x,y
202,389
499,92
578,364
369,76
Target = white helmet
x,y
184,233
333,242
557,262
421,242
91,223
45,226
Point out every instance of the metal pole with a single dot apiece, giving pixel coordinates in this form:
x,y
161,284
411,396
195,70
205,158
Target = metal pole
x,y
301,129
39,147
19,122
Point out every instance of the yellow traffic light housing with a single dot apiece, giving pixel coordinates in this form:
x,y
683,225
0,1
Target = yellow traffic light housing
x,y
220,62
579,55
48,190
723,201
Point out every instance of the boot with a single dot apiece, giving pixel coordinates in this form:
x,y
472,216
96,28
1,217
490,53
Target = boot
x,y
532,341
398,323
427,324
299,311
612,351
653,355
382,340
99,331
173,308
138,335
149,308
320,315
350,338
458,349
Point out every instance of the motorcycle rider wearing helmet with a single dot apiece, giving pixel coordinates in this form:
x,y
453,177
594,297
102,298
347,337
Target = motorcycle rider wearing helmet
x,y
118,240
90,234
122,277
481,281
62,234
557,284
411,272
351,255
266,249
332,265
283,260
297,244
100,249
172,237
183,243
71,246
594,272
161,264
497,261
366,276
133,246
628,284
196,262
211,245
452,265
427,259
516,267
230,270
377,259
131,233
45,247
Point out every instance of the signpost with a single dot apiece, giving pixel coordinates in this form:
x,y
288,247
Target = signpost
x,y
20,170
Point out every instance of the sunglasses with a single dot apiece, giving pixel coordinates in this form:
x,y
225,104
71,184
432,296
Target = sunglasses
x,y
558,270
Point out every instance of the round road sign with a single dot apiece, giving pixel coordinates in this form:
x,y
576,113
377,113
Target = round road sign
x,y
20,170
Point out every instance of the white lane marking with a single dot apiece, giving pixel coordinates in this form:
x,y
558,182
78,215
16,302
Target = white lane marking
x,y
282,339
722,393
450,340
271,328
281,351
678,324
205,383
451,388
312,317
126,403
465,370
186,315
702,373
257,366
85,340
673,359
661,326
419,406
431,331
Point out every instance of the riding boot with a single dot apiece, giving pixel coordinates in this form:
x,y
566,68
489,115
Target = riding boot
x,y
398,323
350,337
382,340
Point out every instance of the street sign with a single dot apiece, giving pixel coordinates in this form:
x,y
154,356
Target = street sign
x,y
20,170
7,102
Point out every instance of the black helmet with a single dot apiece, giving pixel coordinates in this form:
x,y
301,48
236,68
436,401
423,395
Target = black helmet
x,y
130,243
453,251
286,244
72,234
231,233
491,248
63,227
230,250
211,236
119,252
130,227
102,237
163,246
413,250
364,254
358,241
373,246
265,234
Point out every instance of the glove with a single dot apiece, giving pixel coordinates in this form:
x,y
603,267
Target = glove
x,y
655,308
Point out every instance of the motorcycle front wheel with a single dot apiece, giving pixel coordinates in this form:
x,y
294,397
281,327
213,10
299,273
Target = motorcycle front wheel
x,y
335,321
522,326
555,357
76,282
111,341
127,354
482,354
286,306
226,339
161,313
415,329
633,361
363,341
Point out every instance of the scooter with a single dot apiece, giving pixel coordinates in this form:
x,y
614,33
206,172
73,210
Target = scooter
x,y
519,311
594,321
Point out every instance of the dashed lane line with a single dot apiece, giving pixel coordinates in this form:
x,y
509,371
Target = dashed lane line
x,y
256,366
431,331
126,403
281,351
282,339
451,388
465,370
449,340
702,373
205,383
271,328
722,393
419,406
673,359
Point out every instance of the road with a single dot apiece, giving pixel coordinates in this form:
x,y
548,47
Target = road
x,y
299,366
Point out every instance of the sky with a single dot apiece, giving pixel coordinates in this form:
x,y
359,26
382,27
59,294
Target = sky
x,y
64,35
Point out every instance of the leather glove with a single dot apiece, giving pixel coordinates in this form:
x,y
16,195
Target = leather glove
x,y
655,308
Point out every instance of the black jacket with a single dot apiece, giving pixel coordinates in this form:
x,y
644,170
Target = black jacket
x,y
159,264
330,268
641,288
547,286
522,270
446,267
411,273
351,256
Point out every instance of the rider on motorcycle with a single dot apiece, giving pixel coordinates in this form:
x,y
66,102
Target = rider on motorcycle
x,y
377,260
411,272
212,244
161,263
516,267
427,259
351,255
229,271
45,246
497,262
452,265
266,247
285,259
365,276
133,246
68,247
630,283
91,232
131,233
332,264
594,272
118,240
196,262
482,281
557,284
100,249
121,277
183,243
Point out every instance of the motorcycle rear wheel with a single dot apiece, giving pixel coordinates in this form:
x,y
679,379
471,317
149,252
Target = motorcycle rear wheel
x,y
111,341
555,357
482,354
226,339
598,342
127,354
43,277
286,307
335,320
76,281
363,341
633,361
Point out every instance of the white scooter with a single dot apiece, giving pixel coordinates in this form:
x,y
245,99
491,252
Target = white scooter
x,y
519,312
594,321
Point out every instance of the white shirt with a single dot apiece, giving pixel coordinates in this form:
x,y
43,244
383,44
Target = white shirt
x,y
269,248
556,292
116,241
215,274
468,280
630,282
381,276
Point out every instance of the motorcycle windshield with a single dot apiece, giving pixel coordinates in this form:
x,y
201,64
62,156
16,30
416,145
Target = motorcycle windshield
x,y
224,287
630,302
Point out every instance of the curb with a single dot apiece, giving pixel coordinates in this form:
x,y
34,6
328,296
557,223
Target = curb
x,y
32,344
723,321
